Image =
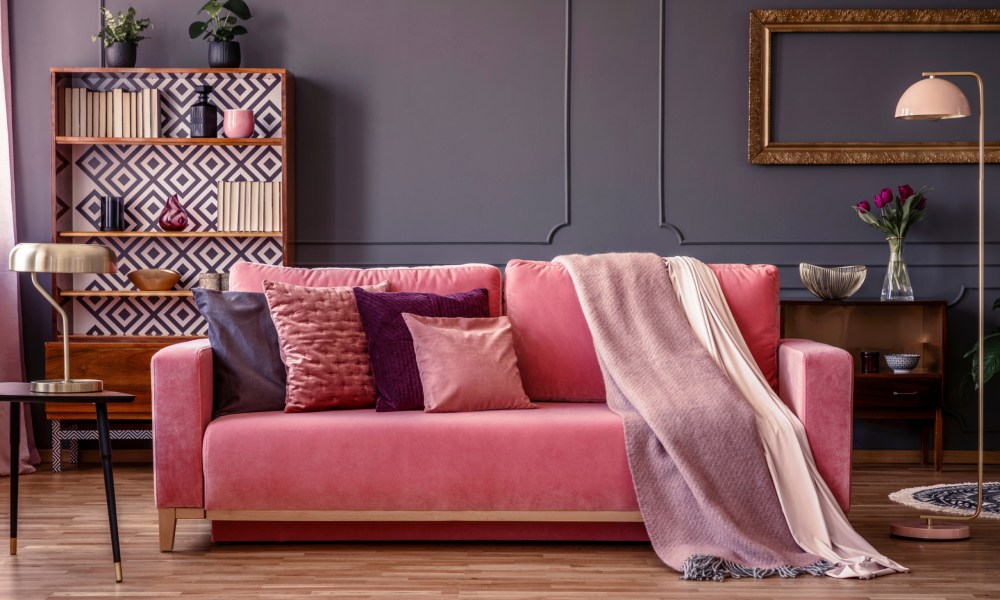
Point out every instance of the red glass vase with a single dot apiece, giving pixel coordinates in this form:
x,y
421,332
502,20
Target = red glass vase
x,y
173,217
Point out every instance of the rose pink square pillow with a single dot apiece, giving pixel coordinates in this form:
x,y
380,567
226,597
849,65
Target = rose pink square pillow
x,y
466,364
323,346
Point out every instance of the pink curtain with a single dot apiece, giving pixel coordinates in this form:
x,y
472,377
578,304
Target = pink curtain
x,y
11,360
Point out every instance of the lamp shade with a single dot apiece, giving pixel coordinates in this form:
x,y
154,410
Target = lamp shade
x,y
932,99
62,258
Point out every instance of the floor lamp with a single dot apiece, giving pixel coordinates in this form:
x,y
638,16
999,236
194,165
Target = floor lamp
x,y
933,99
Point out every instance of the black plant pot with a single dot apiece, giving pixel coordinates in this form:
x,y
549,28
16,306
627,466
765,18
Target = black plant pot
x,y
120,54
224,55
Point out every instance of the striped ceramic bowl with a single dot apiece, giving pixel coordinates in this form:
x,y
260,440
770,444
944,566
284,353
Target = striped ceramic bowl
x,y
832,283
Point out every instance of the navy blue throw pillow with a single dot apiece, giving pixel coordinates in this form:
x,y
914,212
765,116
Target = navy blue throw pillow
x,y
248,373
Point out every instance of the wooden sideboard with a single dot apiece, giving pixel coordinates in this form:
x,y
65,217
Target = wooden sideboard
x,y
918,327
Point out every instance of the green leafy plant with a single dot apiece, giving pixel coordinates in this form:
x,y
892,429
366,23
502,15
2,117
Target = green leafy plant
x,y
991,354
219,28
126,28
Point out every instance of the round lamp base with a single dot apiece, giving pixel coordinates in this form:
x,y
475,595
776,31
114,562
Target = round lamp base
x,y
920,529
67,386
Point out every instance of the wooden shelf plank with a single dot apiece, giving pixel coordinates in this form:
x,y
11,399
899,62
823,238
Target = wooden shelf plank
x,y
170,234
114,70
123,293
121,141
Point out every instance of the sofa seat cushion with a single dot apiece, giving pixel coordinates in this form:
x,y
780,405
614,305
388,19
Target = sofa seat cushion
x,y
249,277
558,457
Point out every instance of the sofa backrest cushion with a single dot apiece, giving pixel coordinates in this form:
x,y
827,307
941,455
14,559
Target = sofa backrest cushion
x,y
249,277
555,351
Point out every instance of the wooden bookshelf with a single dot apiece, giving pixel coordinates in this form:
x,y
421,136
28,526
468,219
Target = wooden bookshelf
x,y
114,328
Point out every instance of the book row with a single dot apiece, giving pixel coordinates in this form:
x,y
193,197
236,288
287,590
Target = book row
x,y
249,206
116,113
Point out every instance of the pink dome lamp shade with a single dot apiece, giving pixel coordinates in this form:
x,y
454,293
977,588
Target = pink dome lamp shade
x,y
932,99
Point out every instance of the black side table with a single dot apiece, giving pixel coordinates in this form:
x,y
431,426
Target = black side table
x,y
19,393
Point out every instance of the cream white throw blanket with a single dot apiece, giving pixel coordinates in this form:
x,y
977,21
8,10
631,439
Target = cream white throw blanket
x,y
716,500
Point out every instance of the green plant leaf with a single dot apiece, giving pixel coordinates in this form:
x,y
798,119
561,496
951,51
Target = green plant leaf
x,y
238,8
212,8
991,357
197,28
996,304
239,30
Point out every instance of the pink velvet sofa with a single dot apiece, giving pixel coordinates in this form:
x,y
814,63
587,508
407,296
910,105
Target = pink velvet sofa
x,y
555,473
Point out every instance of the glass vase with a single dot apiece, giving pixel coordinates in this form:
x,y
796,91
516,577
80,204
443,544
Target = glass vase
x,y
897,278
173,217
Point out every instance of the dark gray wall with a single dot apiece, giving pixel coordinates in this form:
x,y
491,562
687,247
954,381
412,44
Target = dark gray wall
x,y
432,131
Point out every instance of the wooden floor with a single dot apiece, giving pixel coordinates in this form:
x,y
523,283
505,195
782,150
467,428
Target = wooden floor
x,y
64,552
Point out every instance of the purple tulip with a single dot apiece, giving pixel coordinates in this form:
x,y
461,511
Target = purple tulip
x,y
905,192
922,203
863,207
883,198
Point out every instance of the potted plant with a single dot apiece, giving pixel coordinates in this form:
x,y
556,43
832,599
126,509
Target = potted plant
x,y
221,30
121,36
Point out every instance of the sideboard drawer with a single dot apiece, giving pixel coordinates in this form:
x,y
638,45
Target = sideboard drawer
x,y
897,393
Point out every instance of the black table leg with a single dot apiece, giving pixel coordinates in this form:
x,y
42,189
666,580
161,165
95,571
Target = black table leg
x,y
104,439
15,468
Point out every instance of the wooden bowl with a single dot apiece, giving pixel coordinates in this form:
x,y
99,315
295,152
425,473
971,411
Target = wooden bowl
x,y
154,280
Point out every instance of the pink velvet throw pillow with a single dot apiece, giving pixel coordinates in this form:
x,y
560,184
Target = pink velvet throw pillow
x,y
323,346
466,364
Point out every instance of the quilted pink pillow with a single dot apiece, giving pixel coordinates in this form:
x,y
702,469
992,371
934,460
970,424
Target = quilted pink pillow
x,y
323,346
466,364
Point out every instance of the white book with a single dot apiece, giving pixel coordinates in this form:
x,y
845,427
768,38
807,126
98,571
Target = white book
x,y
156,113
133,122
268,206
110,116
232,205
118,112
126,114
245,208
139,131
219,216
67,124
278,208
237,205
88,117
74,110
92,112
147,113
255,206
102,110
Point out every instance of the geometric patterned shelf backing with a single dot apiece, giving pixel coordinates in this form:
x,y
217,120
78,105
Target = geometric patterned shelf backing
x,y
160,315
146,176
259,92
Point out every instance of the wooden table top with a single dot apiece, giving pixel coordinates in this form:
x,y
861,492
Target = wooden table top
x,y
21,392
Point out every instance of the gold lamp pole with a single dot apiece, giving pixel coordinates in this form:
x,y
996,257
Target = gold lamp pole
x,y
62,258
933,99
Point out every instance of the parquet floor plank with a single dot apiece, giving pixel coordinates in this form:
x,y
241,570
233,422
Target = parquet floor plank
x,y
64,552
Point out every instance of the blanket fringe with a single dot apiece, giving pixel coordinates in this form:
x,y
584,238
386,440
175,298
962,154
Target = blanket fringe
x,y
702,567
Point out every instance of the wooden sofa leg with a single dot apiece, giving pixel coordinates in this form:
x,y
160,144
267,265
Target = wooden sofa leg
x,y
168,526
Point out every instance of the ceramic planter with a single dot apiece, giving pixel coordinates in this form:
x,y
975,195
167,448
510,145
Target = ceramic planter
x,y
120,54
224,55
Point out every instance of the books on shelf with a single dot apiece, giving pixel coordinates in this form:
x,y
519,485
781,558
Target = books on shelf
x,y
117,113
249,206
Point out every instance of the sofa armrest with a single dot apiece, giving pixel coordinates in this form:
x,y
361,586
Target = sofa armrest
x,y
817,382
182,409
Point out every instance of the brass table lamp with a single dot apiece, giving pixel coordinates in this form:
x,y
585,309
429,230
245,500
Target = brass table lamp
x,y
62,258
933,99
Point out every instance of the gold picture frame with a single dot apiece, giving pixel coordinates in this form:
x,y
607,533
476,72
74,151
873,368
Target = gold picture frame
x,y
763,150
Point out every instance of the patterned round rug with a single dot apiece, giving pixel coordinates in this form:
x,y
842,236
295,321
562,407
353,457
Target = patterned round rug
x,y
956,499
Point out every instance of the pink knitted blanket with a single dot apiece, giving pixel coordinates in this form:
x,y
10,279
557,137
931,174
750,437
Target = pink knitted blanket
x,y
696,458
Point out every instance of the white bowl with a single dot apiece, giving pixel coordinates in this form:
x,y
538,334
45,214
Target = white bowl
x,y
902,363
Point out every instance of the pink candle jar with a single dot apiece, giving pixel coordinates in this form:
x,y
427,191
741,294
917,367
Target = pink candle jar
x,y
237,123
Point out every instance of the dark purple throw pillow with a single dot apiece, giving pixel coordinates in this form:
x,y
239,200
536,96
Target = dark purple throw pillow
x,y
390,345
248,374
